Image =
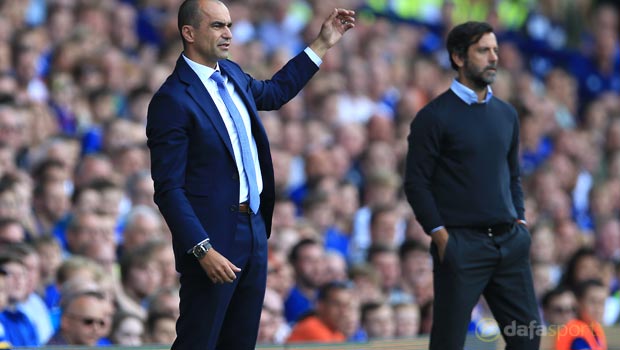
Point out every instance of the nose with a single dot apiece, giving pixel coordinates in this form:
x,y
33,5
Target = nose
x,y
227,33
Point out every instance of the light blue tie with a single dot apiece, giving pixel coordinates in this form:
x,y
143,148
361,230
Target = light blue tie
x,y
244,142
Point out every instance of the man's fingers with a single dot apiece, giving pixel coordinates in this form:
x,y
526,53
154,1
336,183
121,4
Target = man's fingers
x,y
233,267
344,12
346,17
230,271
221,270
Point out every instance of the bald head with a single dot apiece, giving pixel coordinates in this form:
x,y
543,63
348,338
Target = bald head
x,y
190,14
205,27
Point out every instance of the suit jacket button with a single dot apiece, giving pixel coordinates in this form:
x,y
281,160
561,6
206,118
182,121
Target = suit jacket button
x,y
233,208
235,176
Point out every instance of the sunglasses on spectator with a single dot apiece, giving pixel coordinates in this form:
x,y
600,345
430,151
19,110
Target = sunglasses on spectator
x,y
89,321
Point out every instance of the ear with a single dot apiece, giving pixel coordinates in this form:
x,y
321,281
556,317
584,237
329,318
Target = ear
x,y
188,33
458,60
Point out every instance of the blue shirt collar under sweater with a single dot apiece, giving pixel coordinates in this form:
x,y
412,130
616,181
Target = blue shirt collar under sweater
x,y
468,95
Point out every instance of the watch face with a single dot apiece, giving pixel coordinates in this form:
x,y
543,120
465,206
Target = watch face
x,y
200,251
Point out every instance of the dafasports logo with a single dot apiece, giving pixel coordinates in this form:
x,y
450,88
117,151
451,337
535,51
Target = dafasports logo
x,y
487,330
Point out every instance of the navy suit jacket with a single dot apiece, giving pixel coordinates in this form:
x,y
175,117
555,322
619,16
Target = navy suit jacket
x,y
192,161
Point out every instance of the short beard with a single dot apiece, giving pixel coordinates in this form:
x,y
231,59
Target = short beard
x,y
478,78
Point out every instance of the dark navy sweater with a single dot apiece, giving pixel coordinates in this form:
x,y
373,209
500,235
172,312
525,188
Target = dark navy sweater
x,y
463,165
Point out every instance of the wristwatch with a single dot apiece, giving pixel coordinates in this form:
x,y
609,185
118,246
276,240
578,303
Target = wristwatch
x,y
201,249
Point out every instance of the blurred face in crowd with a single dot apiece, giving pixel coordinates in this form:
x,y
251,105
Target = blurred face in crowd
x,y
382,192
164,331
210,41
167,303
9,204
284,215
542,274
561,309
592,304
335,268
349,321
406,320
52,256
347,201
82,323
587,267
367,288
336,304
416,264
11,127
379,323
90,228
87,201
567,241
55,202
608,239
280,275
66,151
383,227
7,156
16,282
93,167
144,279
309,266
271,317
129,332
543,245
380,155
142,229
164,258
110,201
142,193
86,229
103,254
12,233
32,264
388,265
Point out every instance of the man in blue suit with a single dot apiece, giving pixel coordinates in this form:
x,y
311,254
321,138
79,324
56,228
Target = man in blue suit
x,y
213,173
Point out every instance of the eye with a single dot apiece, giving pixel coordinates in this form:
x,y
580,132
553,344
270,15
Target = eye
x,y
220,25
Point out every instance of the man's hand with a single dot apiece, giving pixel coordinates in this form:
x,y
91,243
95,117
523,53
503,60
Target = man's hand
x,y
338,22
440,238
218,268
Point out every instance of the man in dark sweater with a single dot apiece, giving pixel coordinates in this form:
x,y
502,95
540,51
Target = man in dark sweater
x,y
462,181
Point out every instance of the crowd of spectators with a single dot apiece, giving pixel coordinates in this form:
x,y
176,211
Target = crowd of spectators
x,y
85,257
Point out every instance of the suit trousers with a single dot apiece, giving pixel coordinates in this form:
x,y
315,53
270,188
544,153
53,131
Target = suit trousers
x,y
226,316
496,266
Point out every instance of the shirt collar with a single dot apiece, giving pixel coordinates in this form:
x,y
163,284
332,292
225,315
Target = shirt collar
x,y
204,72
468,95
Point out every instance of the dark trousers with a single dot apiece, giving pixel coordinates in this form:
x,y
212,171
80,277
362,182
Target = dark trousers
x,y
226,316
495,266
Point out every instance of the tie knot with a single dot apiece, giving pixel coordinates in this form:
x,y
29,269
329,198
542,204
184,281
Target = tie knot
x,y
219,79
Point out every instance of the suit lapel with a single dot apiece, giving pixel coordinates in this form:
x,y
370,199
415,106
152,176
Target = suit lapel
x,y
201,96
238,88
257,126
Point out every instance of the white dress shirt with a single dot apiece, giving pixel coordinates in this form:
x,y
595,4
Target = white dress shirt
x,y
204,73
